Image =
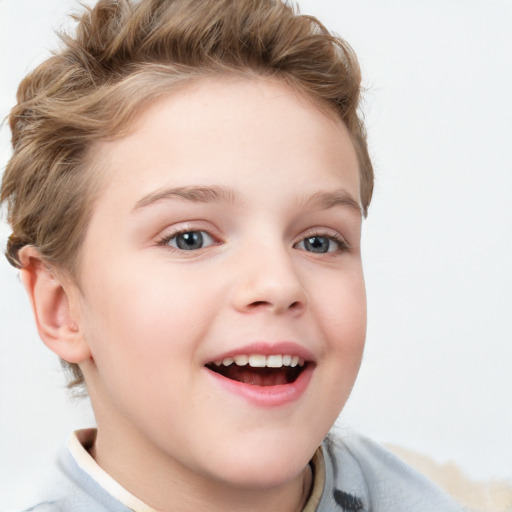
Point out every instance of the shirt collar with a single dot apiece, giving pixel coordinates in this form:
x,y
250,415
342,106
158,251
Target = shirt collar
x,y
78,444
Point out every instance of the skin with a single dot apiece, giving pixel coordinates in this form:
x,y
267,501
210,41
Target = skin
x,y
145,316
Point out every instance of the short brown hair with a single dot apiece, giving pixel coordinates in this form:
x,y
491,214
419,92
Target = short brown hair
x,y
125,54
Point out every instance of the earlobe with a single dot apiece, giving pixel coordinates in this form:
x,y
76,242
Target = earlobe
x,y
51,304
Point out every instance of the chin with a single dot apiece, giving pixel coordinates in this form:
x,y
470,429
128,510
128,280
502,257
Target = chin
x,y
265,466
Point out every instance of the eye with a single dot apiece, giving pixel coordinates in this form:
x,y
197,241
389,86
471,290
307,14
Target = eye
x,y
190,240
321,244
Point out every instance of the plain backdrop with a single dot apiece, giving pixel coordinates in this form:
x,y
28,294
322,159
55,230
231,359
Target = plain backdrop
x,y
437,372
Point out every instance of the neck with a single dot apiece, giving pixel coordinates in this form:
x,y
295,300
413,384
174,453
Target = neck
x,y
167,486
176,489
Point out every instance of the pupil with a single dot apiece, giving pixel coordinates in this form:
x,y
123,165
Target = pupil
x,y
189,241
317,244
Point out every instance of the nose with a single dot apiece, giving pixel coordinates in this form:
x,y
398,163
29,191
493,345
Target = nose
x,y
267,280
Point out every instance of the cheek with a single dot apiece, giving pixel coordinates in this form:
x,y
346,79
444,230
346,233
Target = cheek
x,y
142,345
341,319
142,322
341,306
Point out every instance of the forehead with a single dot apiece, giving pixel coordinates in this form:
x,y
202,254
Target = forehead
x,y
220,130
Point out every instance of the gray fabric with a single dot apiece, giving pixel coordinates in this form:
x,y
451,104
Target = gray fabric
x,y
73,490
361,476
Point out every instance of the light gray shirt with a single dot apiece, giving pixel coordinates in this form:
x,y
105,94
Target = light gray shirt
x,y
359,476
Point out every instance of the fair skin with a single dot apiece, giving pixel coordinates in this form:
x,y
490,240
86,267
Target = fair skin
x,y
228,227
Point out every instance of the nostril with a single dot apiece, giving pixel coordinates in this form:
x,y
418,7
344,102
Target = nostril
x,y
294,306
259,303
270,295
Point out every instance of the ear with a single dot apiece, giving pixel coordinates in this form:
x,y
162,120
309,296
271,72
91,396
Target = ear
x,y
51,299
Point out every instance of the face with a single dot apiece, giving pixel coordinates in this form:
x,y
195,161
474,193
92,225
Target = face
x,y
221,289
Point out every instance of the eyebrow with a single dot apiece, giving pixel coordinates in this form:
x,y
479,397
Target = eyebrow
x,y
215,193
195,194
326,200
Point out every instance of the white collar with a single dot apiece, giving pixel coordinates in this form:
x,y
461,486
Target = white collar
x,y
81,440
78,443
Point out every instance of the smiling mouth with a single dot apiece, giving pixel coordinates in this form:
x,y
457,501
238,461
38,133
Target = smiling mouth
x,y
260,370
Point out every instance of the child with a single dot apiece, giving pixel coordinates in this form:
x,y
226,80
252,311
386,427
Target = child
x,y
186,195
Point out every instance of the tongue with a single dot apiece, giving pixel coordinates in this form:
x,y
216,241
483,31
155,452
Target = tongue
x,y
257,377
260,376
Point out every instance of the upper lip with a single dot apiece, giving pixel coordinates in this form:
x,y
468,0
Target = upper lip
x,y
267,349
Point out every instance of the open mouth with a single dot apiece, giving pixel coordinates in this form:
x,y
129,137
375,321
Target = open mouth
x,y
260,370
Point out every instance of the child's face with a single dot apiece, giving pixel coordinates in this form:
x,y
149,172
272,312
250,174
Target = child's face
x,y
228,227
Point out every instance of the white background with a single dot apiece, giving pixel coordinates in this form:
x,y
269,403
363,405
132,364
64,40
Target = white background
x,y
437,374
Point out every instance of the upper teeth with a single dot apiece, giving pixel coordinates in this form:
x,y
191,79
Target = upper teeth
x,y
261,361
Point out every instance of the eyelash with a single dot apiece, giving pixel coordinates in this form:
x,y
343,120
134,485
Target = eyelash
x,y
342,245
166,239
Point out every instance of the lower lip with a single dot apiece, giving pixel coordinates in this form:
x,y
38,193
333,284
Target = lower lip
x,y
267,396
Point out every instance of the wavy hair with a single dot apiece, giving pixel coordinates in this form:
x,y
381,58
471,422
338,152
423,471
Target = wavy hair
x,y
125,54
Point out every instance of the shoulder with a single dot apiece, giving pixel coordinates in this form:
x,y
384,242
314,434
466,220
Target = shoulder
x,y
47,506
71,489
57,494
63,496
361,475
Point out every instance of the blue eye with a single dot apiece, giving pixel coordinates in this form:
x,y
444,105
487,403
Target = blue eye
x,y
319,244
190,240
